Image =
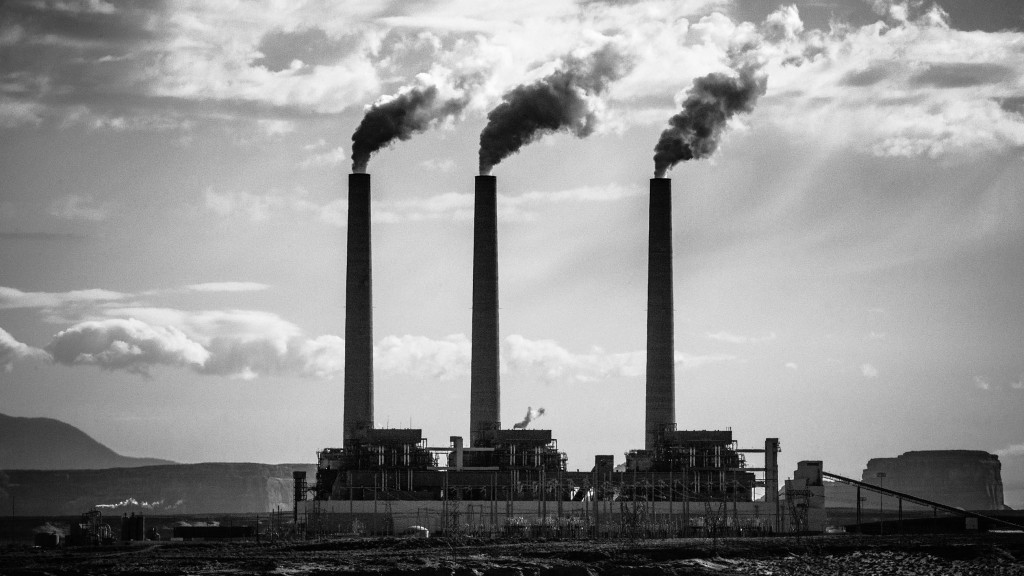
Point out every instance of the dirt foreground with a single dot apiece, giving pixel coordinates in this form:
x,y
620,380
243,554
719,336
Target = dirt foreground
x,y
980,554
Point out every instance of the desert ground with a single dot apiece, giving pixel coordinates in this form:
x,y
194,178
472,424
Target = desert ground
x,y
962,555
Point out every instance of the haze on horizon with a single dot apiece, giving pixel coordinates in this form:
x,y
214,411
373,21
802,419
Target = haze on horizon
x,y
847,263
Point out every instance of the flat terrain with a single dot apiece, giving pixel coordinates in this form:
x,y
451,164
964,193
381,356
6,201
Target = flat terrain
x,y
979,554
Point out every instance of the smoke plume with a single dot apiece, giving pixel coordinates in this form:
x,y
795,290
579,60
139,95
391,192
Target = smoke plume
x,y
713,99
531,415
413,109
563,100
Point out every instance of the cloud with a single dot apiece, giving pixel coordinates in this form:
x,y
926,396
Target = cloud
x,y
14,113
723,336
893,89
869,371
1019,384
444,359
248,344
227,287
11,351
125,344
1011,450
327,159
982,383
792,366
454,206
444,165
256,208
74,207
234,343
550,362
14,298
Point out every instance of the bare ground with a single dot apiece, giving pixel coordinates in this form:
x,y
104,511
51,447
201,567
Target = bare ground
x,y
963,555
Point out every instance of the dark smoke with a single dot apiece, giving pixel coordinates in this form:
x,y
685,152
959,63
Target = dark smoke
x,y
560,101
531,415
713,99
399,117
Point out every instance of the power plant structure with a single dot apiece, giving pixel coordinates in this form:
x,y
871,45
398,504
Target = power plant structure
x,y
693,480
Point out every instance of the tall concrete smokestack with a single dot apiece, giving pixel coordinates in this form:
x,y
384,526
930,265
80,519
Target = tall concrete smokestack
x,y
358,312
485,389
661,395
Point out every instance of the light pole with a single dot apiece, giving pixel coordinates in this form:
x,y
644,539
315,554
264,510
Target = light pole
x,y
881,519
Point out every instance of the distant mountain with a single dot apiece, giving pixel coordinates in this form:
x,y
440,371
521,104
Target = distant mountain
x,y
48,444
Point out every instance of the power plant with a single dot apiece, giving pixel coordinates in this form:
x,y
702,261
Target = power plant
x,y
509,473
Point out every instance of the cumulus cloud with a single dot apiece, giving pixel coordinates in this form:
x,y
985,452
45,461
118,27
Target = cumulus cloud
x,y
12,350
444,359
235,343
982,383
248,344
868,371
792,366
125,344
912,86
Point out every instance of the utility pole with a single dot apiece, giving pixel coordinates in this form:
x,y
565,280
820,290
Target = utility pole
x,y
881,519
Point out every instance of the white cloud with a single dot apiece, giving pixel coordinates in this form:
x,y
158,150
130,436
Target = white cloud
x,y
723,336
913,87
445,165
126,344
14,298
227,287
1011,450
248,344
275,127
12,350
1019,384
549,361
444,359
14,113
74,207
792,366
325,159
869,371
256,207
982,383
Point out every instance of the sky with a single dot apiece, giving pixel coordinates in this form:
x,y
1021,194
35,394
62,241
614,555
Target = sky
x,y
848,268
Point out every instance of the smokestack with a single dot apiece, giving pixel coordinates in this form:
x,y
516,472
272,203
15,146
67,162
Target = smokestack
x,y
485,389
661,396
358,312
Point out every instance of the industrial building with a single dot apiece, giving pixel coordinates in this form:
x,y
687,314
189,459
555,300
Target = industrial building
x,y
683,481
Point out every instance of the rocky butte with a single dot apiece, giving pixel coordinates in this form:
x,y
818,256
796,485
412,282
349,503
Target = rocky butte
x,y
968,479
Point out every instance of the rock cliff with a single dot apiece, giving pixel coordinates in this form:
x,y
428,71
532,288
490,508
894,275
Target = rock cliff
x,y
968,479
